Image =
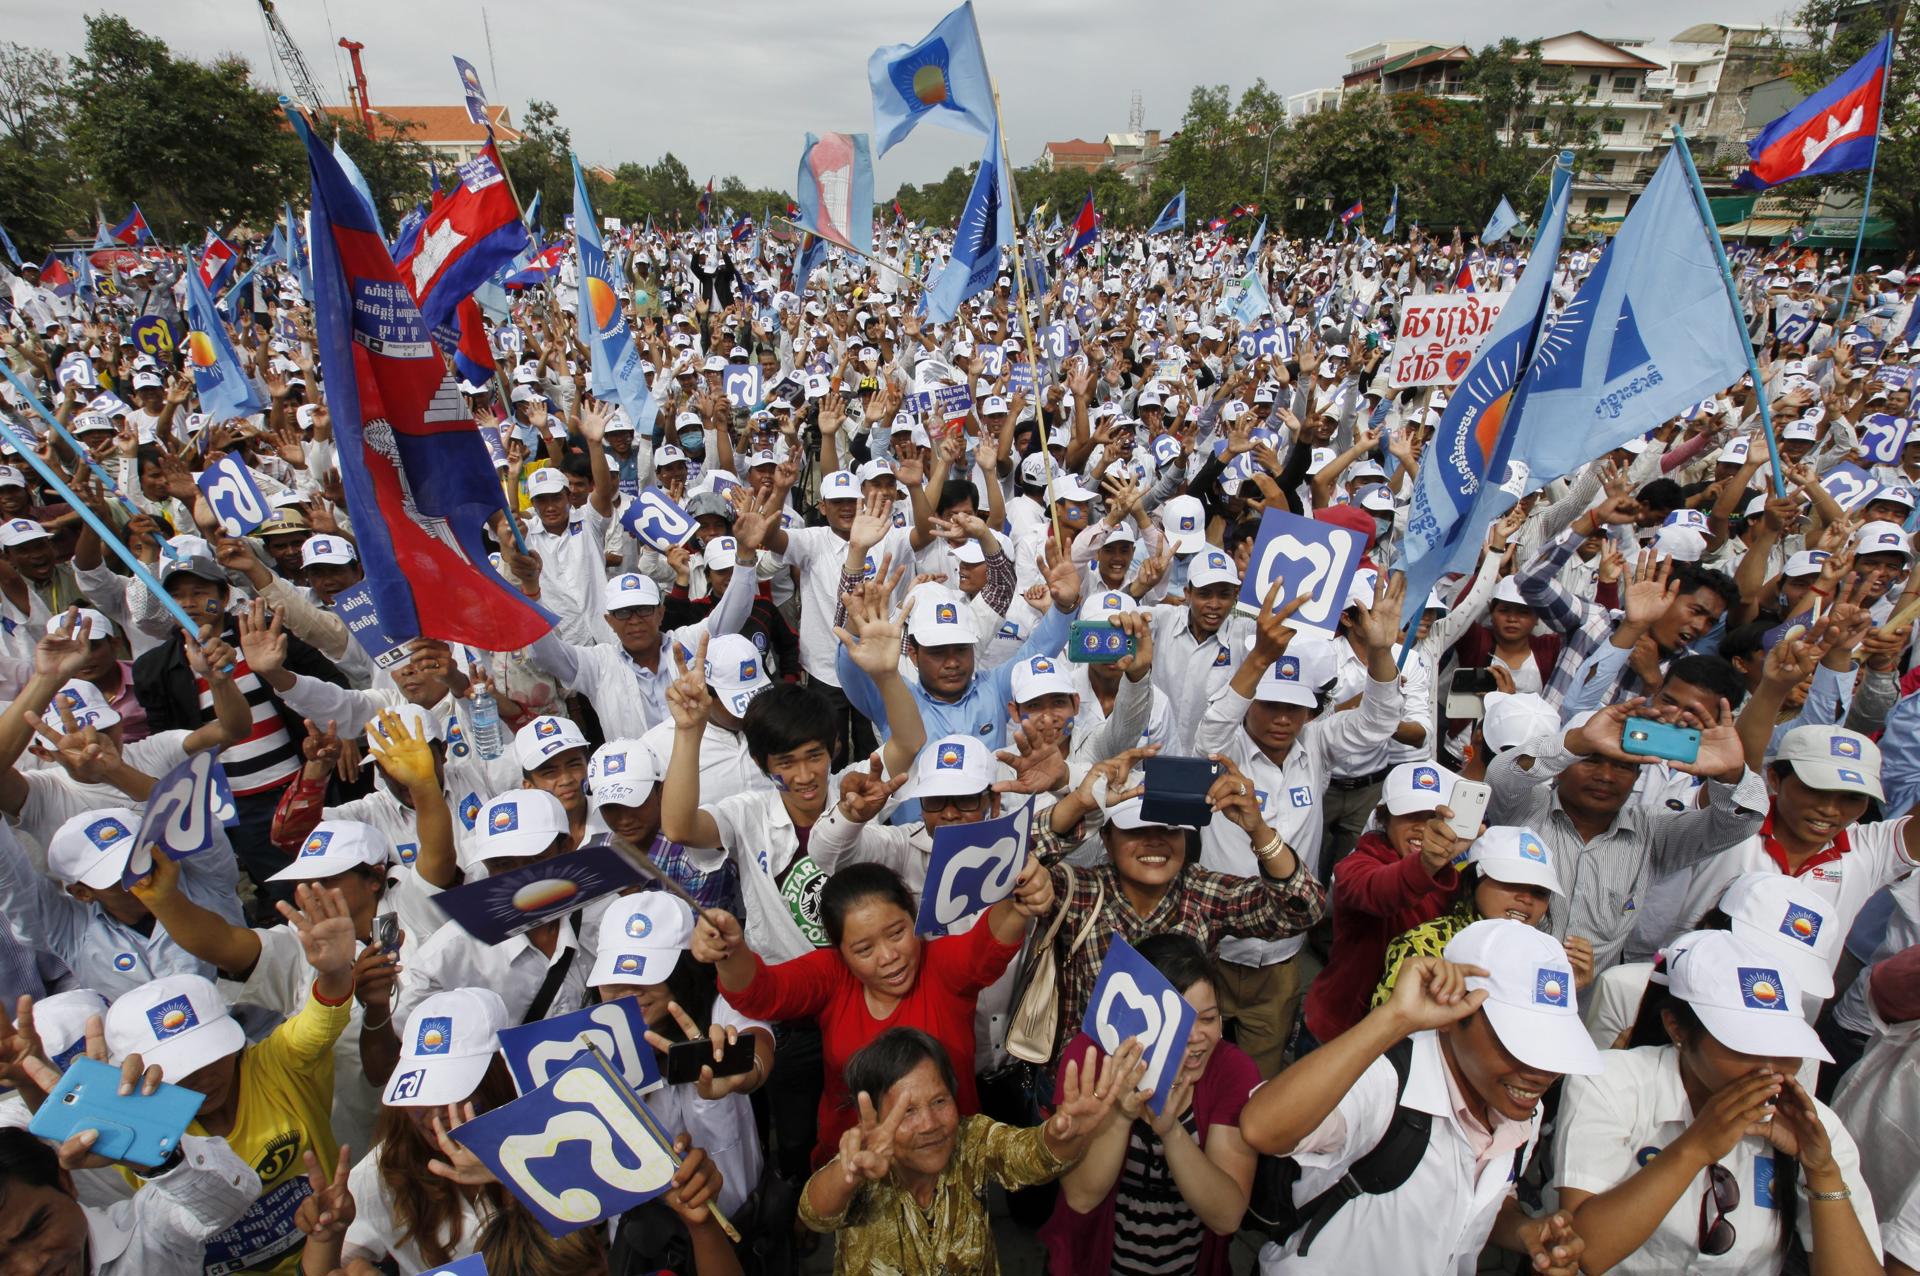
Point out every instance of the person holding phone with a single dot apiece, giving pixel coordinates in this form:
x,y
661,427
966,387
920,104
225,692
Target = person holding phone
x,y
1696,1149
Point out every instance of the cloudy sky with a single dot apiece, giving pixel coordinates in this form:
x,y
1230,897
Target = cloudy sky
x,y
731,85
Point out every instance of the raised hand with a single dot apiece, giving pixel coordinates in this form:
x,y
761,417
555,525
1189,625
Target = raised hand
x,y
263,641
593,421
1431,992
717,935
864,794
1062,576
871,638
1651,591
1721,756
1038,760
1139,626
1380,623
866,1150
327,1213
63,651
1272,633
871,524
460,1166
1088,1091
688,698
325,926
404,753
707,1085
696,1183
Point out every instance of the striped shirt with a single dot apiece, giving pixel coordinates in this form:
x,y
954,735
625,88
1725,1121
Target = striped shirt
x,y
268,757
1155,1231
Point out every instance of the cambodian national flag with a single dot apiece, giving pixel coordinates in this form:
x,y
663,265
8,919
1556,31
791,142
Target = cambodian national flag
x,y
1463,282
1346,218
472,355
55,277
741,229
134,230
1831,132
705,203
216,262
1086,228
541,268
420,485
471,233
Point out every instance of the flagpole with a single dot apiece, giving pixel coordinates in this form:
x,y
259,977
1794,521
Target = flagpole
x,y
1866,201
1733,299
849,248
33,401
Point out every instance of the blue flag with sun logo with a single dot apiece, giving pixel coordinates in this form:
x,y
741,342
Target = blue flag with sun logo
x,y
616,372
942,79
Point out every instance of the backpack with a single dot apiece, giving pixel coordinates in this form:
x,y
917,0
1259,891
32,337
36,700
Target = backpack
x,y
1383,1169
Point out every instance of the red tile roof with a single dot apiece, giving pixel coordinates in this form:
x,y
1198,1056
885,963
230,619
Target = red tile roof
x,y
1079,147
437,124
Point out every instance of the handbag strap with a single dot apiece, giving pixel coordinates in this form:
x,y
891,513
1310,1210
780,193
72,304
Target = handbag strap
x,y
1093,917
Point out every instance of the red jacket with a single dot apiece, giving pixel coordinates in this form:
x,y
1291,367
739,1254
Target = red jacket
x,y
1378,894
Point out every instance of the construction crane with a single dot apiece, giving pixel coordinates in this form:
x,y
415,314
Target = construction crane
x,y
365,104
296,65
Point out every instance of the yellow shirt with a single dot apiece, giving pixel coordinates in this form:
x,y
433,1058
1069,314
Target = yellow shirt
x,y
285,1109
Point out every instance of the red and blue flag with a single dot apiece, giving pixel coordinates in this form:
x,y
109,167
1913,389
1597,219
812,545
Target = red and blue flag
x,y
420,485
537,271
1831,132
134,229
217,261
1086,228
473,230
1359,207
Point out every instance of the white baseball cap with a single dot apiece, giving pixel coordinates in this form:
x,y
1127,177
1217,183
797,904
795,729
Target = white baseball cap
x,y
1040,676
630,589
736,672
60,1021
85,702
1212,567
942,618
545,736
1743,994
1735,452
1513,718
1068,487
1875,538
1515,855
1806,562
668,454
1800,431
92,848
335,846
641,939
336,551
548,480
1530,995
951,766
1681,543
1785,914
1297,677
21,531
622,773
518,823
179,1022
447,1047
1832,758
1107,604
721,554
1185,521
1416,786
10,476
841,485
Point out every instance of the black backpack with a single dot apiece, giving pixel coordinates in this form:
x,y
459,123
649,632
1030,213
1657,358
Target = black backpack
x,y
1384,1168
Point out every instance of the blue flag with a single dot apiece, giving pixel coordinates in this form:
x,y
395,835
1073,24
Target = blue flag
x,y
6,241
408,235
976,243
942,79
834,189
298,253
812,256
225,389
533,212
616,372
1503,220
357,180
1253,248
1173,216
476,97
1455,492
1393,215
1651,331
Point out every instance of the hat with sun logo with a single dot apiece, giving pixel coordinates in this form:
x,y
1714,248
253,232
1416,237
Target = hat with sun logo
x,y
449,1040
1743,993
179,1022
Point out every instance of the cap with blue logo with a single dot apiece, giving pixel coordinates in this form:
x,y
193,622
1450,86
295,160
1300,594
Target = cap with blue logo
x,y
1212,567
841,485
335,846
736,672
622,773
952,766
543,738
518,823
1530,1003
1107,604
179,1022
1416,786
641,939
1298,676
60,1021
941,618
1185,521
445,1050
92,848
1743,993
1832,758
1793,921
1882,538
1041,676
1516,855
84,702
630,589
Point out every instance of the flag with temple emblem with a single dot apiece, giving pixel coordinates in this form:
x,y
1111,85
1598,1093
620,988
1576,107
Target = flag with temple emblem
x,y
1359,207
472,232
420,484
1086,228
704,205
543,265
616,372
471,353
225,389
216,262
1831,132
835,186
134,229
940,80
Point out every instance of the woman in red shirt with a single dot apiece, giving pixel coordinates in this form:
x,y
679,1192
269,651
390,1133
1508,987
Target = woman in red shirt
x,y
878,974
1399,875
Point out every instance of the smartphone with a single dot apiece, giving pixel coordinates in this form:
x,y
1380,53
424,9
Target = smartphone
x,y
1649,739
686,1058
1468,802
1466,698
1095,642
1176,790
139,1129
386,931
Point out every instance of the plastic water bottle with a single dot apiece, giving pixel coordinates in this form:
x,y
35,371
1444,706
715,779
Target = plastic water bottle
x,y
489,738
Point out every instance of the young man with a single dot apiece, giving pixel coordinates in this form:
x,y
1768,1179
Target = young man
x,y
1471,1041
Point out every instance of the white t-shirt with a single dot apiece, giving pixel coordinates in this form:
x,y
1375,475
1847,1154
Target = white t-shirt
x,y
821,556
374,1233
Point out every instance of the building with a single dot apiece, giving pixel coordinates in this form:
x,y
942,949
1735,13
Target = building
x,y
446,131
1313,102
1137,155
1713,72
1075,156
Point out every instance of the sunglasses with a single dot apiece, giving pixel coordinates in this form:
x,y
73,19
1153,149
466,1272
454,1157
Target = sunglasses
x,y
961,803
1722,1198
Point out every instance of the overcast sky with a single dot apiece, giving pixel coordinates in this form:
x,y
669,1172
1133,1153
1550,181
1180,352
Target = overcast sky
x,y
730,86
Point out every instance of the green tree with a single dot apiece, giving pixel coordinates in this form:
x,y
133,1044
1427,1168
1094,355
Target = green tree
x,y
394,165
542,161
197,144
41,196
1841,33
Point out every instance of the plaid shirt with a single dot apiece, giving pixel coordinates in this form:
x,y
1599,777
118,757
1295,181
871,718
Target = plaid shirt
x,y
1200,902
1585,625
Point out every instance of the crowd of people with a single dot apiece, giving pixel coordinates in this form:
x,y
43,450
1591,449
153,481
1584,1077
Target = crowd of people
x,y
1480,978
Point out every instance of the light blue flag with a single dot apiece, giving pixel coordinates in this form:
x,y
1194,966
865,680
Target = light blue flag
x,y
297,253
533,210
977,241
1393,215
812,256
1252,300
358,181
942,79
1651,332
6,241
1455,495
616,371
1503,220
834,189
1172,217
225,389
1253,248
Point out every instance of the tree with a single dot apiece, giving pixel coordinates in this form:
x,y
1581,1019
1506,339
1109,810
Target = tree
x,y
41,197
542,160
196,144
394,165
1841,33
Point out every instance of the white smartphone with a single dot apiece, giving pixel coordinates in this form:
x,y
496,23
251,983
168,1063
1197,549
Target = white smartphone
x,y
1468,802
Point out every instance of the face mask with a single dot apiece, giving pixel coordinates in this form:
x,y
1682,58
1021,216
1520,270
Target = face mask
x,y
693,442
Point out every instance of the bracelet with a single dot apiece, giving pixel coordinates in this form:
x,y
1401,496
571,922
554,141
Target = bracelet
x,y
1844,1194
368,1023
1267,852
